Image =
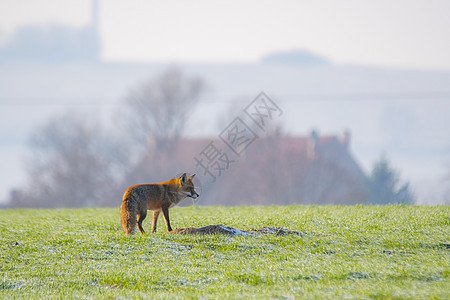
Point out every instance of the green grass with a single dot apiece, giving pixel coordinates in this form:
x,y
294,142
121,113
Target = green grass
x,y
348,252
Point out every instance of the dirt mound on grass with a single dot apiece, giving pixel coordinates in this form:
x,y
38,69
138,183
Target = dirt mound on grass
x,y
278,231
220,229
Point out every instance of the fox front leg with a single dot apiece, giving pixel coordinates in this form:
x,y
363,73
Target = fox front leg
x,y
165,211
155,219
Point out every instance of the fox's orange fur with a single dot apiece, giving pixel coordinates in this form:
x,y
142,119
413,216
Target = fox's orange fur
x,y
157,197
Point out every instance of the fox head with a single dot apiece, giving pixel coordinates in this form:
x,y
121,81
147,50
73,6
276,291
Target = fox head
x,y
187,186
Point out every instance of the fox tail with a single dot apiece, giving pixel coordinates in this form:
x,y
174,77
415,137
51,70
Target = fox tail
x,y
128,214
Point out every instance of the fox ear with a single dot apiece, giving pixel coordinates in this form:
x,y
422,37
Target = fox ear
x,y
191,177
183,178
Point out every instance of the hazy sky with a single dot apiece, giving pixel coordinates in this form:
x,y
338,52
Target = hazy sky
x,y
400,33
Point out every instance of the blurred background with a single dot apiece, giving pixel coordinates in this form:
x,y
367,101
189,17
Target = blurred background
x,y
98,95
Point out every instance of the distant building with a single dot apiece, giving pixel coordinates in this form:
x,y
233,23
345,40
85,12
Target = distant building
x,y
54,43
295,58
274,170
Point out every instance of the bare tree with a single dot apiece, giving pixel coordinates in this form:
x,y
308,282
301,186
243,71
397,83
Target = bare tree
x,y
155,116
159,109
71,164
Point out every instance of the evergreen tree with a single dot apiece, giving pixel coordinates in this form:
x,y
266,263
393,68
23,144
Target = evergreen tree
x,y
385,185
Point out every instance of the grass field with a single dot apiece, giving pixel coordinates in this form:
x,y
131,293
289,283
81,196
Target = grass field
x,y
347,252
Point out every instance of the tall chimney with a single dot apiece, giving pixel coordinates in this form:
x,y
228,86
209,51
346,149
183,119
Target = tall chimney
x,y
95,16
313,142
345,138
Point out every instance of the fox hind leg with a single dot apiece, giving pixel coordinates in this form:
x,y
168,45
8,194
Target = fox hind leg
x,y
141,217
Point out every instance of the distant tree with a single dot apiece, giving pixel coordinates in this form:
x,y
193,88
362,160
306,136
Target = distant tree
x,y
157,110
155,115
72,163
385,185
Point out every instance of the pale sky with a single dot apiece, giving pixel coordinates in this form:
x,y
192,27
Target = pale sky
x,y
393,33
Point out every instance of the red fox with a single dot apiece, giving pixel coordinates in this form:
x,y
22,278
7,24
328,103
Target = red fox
x,y
156,197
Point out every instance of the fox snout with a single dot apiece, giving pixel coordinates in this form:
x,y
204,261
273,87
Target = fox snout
x,y
194,195
191,194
